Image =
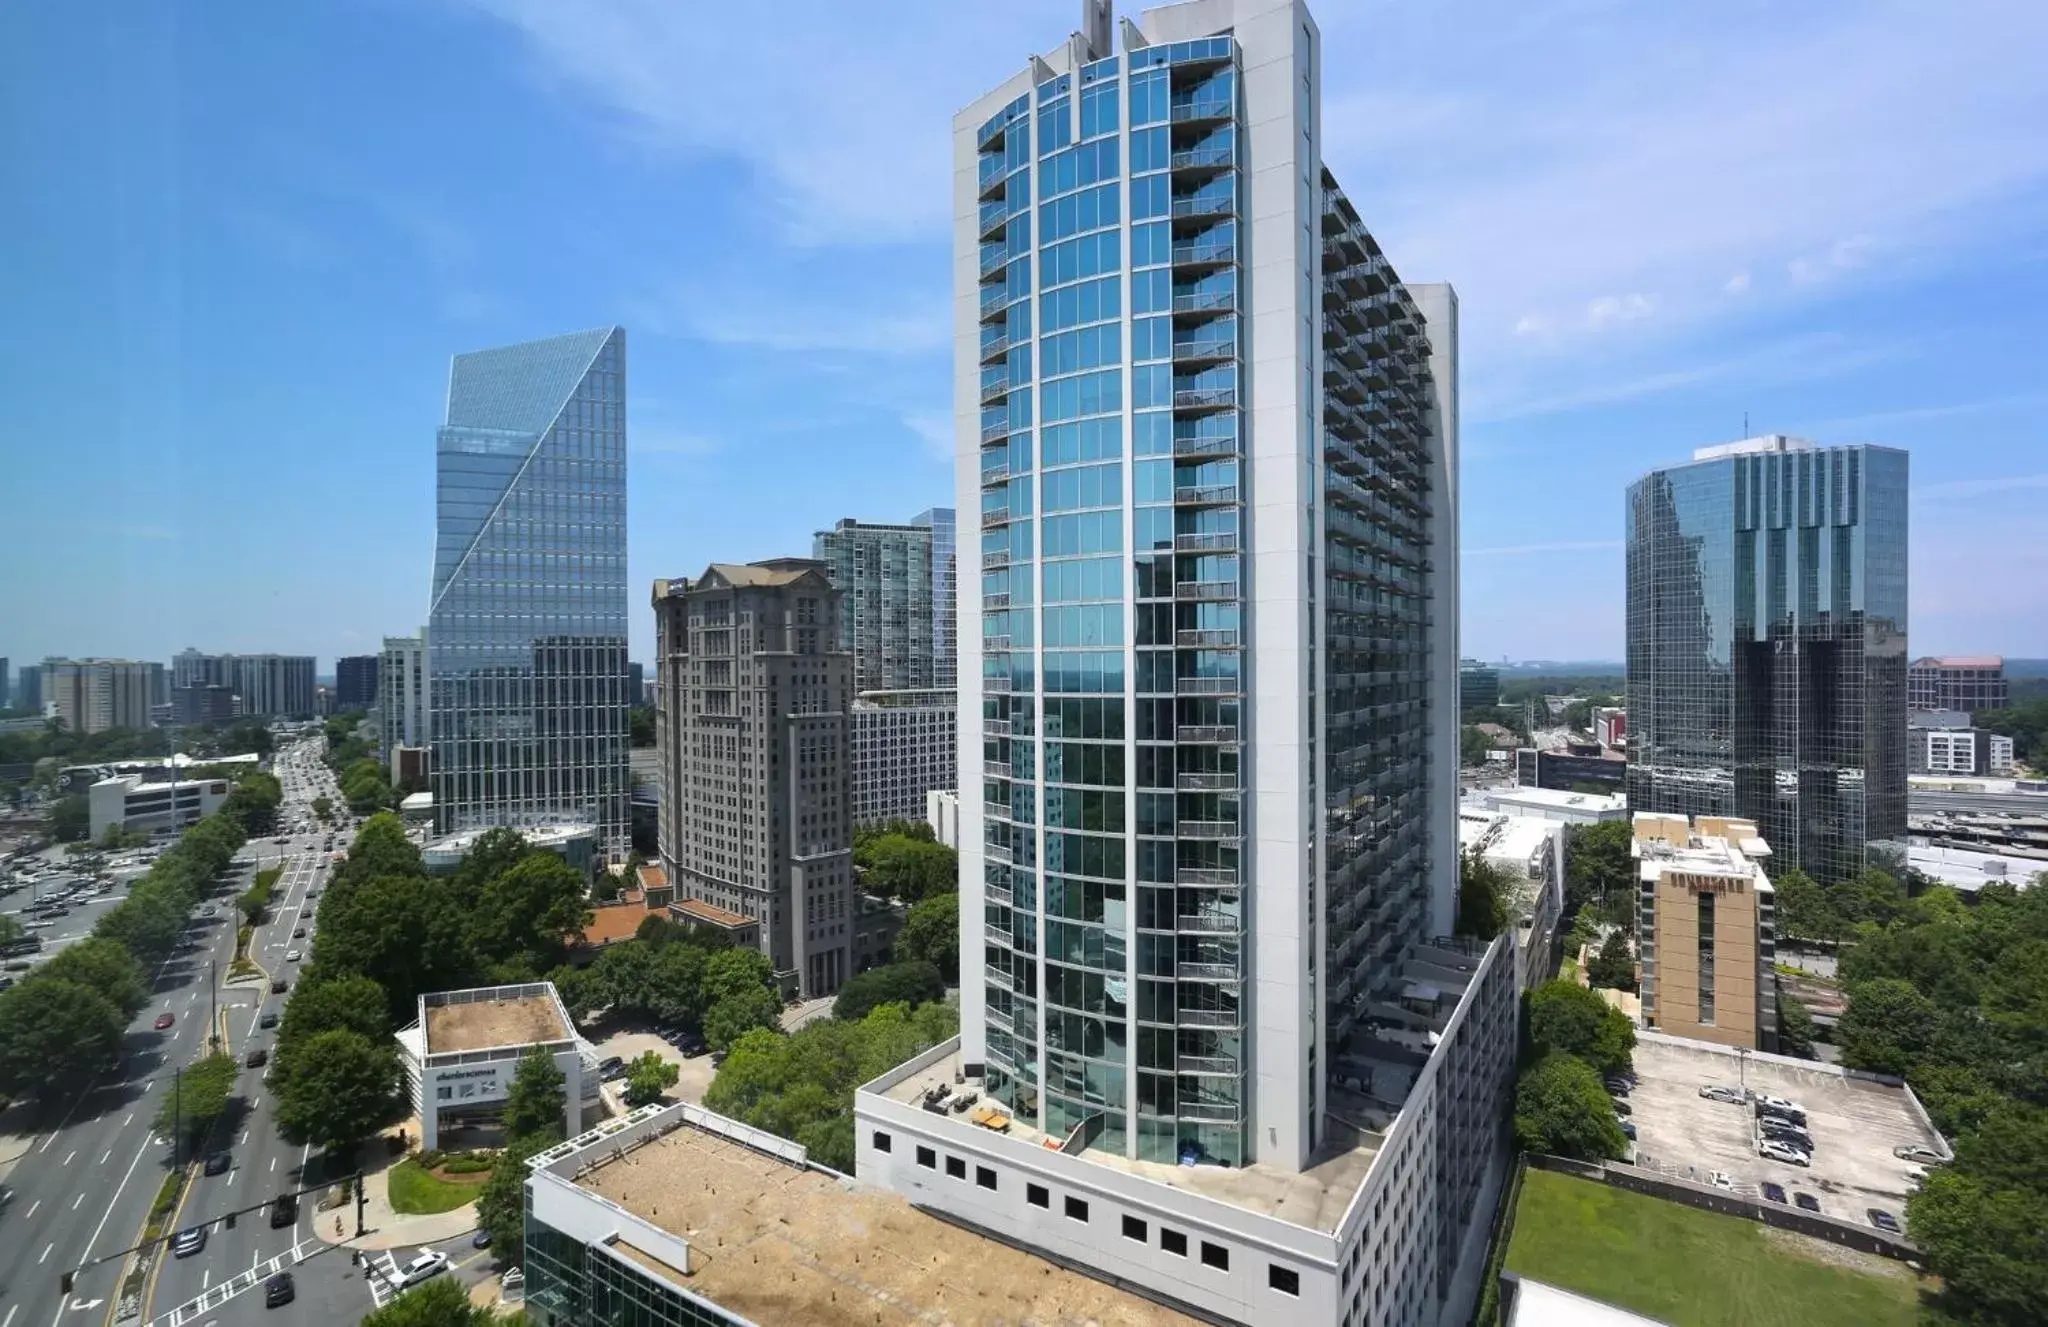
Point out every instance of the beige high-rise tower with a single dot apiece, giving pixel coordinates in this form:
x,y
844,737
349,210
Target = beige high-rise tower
x,y
1708,930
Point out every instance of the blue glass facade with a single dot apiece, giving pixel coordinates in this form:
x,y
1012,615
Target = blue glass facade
x,y
527,633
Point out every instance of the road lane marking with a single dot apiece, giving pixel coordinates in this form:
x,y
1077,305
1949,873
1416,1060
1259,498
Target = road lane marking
x,y
32,1210
46,1252
76,1201
68,1155
273,1165
130,1120
104,1155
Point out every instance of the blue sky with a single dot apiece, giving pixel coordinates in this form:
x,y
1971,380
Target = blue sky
x,y
242,239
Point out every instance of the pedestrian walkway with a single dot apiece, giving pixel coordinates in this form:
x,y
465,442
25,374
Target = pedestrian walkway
x,y
387,1229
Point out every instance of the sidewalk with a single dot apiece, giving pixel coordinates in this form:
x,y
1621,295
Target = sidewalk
x,y
388,1229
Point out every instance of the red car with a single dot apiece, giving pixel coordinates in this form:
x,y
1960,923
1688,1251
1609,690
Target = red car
x,y
165,1020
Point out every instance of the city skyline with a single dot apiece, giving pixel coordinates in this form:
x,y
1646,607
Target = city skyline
x,y
1803,279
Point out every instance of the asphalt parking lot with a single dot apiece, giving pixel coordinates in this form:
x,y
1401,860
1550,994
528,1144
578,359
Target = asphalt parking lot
x,y
1854,1124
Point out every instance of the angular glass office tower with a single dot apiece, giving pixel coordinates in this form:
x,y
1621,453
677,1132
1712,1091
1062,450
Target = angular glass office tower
x,y
1767,647
526,639
1211,438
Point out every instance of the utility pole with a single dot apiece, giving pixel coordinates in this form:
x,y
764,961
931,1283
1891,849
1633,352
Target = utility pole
x,y
213,1002
361,1200
177,1111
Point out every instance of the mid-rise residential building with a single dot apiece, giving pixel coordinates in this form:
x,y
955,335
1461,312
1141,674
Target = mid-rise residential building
x,y
1610,725
754,739
1767,647
205,703
906,744
271,686
1706,930
526,633
93,695
885,573
1208,886
402,698
1529,851
1944,742
28,688
942,813
1478,686
6,683
945,595
1967,683
356,678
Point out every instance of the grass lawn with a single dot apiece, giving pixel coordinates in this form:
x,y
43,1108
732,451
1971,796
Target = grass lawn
x,y
416,1192
1689,1267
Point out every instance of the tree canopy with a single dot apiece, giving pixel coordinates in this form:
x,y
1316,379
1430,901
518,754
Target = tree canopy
x,y
1562,1109
441,1302
337,1088
931,934
1565,1016
648,1076
1615,965
911,983
1599,870
1485,894
902,861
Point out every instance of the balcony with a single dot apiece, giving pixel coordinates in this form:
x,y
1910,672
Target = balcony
x,y
1205,876
1206,972
1224,638
999,979
991,135
995,388
1190,781
999,852
995,644
994,261
994,348
1205,158
1205,301
995,432
1205,253
991,602
1194,448
1215,204
994,298
999,558
1205,495
1203,351
996,728
1207,541
1209,1018
997,769
1000,1018
1206,1064
1206,591
1221,734
996,685
1228,830
1189,399
1228,1112
996,893
1206,686
992,475
995,934
994,216
995,516
1203,110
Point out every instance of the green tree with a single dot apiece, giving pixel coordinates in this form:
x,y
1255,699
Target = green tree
x,y
199,1097
71,819
536,1102
103,966
1888,1025
736,1015
501,1203
254,802
1615,965
647,1077
1983,1221
1805,912
11,930
336,1089
532,909
640,725
911,983
1562,1110
55,1037
906,866
733,972
1597,864
1564,1016
380,849
1472,746
931,934
1872,896
1795,1027
494,852
1484,896
327,1001
406,934
441,1302
323,807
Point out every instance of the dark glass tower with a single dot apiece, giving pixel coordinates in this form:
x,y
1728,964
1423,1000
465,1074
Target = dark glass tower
x,y
1767,647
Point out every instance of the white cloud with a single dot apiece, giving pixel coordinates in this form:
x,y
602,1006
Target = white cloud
x,y
1609,309
934,430
1841,256
1736,284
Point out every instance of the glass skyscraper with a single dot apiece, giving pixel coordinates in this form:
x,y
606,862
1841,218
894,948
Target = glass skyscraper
x,y
526,639
886,619
945,595
1211,437
1767,647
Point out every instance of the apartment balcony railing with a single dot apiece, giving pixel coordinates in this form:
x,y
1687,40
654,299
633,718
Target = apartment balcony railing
x,y
995,685
1191,781
992,475
999,1017
993,298
997,893
1206,591
1208,541
998,599
1210,156
1218,733
995,727
1202,398
993,217
1205,301
992,432
1205,495
999,558
1221,638
1205,253
999,852
999,978
1206,1064
995,389
1208,829
995,261
1226,1111
1209,1018
995,644
1204,350
995,516
1205,108
994,348
1205,446
995,934
1208,923
1207,972
1207,686
1204,876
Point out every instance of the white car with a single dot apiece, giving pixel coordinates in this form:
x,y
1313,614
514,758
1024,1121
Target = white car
x,y
1720,1179
1722,1092
1778,1103
1773,1150
291,955
428,1265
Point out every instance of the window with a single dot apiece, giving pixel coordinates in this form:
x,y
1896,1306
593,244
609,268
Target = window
x,y
927,1158
985,1177
1077,1209
881,1141
1216,1256
1036,1195
1283,1279
956,1168
1134,1229
1173,1241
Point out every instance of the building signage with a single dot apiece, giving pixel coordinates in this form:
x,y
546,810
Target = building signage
x,y
450,1076
1711,884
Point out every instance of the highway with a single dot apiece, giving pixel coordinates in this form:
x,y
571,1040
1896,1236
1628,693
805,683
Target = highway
x,y
81,1190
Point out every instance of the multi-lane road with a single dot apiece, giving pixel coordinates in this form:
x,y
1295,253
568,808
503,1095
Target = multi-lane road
x,y
78,1195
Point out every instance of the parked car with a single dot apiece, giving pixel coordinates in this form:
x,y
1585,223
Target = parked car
x,y
1622,1107
1628,1130
1915,1152
279,1289
428,1265
1774,1191
217,1163
1788,1135
165,1020
1720,1179
611,1067
1778,1103
1773,1150
1884,1221
1806,1202
188,1241
1617,1087
480,1240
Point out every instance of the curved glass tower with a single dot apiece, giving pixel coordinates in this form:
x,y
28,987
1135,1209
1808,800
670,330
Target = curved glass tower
x,y
526,639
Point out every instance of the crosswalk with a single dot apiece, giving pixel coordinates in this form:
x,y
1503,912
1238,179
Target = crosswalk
x,y
383,1278
215,1296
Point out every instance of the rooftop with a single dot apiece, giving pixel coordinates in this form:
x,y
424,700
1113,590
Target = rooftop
x,y
1558,798
1709,846
653,877
710,914
779,1243
491,1017
1961,661
1969,871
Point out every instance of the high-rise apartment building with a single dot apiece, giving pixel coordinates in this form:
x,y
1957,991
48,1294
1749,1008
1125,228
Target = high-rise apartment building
x,y
279,686
526,634
6,683
355,681
752,734
1708,929
1766,645
1478,685
1211,681
905,745
885,574
93,695
1957,682
945,595
402,698
28,688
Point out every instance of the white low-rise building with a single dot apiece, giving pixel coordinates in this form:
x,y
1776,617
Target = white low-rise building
x,y
1531,851
1551,804
462,1053
149,807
